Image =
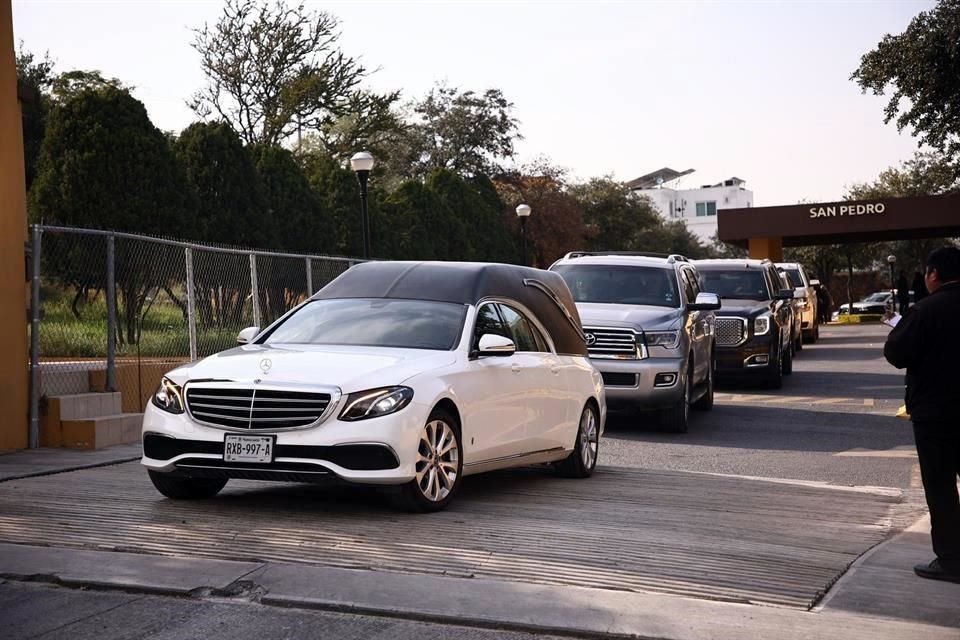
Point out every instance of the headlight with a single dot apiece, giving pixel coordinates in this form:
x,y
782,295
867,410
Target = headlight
x,y
169,397
761,325
667,339
376,402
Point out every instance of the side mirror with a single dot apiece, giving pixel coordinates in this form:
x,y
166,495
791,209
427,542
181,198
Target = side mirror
x,y
494,345
248,334
814,283
705,302
784,294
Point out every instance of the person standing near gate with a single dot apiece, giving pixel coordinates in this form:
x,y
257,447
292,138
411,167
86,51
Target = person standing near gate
x,y
919,288
926,342
903,291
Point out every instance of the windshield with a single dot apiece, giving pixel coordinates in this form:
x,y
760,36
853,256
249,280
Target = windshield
x,y
620,284
746,284
877,297
794,276
374,322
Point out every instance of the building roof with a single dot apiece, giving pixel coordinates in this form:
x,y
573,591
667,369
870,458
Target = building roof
x,y
656,178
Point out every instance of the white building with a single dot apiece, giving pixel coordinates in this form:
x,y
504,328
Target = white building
x,y
696,207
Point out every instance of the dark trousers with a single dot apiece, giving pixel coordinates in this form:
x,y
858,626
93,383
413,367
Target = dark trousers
x,y
938,448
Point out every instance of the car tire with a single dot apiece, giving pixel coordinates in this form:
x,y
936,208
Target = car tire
x,y
179,488
798,343
583,459
677,417
440,451
788,363
705,403
816,333
775,377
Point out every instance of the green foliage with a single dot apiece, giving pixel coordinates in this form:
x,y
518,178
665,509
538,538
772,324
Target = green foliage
x,y
273,70
300,223
922,64
462,131
231,206
475,230
104,165
72,83
338,195
34,78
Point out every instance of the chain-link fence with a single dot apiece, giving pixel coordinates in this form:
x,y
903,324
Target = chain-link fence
x,y
114,311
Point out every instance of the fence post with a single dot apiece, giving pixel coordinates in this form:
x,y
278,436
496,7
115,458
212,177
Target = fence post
x,y
33,436
191,305
309,277
254,290
111,314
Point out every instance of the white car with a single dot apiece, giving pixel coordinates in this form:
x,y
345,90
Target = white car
x,y
411,375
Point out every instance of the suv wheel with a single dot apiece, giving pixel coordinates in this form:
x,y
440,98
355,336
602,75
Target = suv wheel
x,y
677,417
787,365
179,488
775,377
705,403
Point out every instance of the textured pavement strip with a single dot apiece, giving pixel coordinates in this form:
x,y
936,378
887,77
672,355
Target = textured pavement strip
x,y
704,536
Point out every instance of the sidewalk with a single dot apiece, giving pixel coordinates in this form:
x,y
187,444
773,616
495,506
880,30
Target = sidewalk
x,y
879,597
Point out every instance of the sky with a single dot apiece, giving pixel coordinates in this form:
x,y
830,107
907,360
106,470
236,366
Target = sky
x,y
758,90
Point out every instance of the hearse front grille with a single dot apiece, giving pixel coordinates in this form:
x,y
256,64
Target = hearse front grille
x,y
255,409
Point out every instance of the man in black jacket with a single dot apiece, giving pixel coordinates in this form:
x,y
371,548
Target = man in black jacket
x,y
927,342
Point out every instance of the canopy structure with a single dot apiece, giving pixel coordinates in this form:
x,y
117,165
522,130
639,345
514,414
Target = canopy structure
x,y
764,231
543,292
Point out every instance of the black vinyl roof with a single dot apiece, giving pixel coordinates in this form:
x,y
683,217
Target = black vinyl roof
x,y
543,292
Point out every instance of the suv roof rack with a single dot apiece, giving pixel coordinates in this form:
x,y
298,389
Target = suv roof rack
x,y
670,257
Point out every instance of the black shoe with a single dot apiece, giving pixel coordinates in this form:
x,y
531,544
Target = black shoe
x,y
936,571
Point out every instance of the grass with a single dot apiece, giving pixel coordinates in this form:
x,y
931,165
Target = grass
x,y
164,331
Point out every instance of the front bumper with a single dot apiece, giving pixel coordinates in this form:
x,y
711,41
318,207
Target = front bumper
x,y
635,384
376,451
757,356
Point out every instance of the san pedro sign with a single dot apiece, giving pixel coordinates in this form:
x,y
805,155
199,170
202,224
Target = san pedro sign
x,y
838,222
832,211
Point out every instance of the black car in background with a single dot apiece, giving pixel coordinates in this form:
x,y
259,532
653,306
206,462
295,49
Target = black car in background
x,y
754,327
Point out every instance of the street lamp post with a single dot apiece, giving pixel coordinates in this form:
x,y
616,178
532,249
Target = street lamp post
x,y
891,260
362,164
523,212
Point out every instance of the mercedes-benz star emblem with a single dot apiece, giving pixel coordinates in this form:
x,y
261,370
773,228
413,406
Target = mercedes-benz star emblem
x,y
266,365
591,339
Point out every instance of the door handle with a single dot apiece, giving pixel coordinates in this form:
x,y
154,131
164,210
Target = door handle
x,y
555,370
515,368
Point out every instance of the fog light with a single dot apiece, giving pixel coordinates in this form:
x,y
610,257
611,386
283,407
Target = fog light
x,y
760,360
664,379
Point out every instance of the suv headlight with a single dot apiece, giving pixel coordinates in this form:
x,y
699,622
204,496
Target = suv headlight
x,y
761,325
374,403
666,339
169,397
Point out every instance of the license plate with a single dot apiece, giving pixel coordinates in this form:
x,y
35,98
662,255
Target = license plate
x,y
237,448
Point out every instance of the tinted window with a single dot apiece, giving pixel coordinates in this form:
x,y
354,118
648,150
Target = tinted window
x,y
794,276
377,322
749,284
686,279
488,321
520,328
621,284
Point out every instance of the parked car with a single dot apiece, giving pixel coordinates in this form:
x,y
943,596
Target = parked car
x,y
796,332
649,330
875,303
809,315
401,374
753,329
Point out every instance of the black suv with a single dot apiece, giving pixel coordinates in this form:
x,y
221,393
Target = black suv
x,y
754,327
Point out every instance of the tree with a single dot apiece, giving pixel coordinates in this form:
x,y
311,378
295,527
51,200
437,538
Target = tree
x,y
104,165
556,224
462,131
922,64
221,170
34,78
300,223
273,70
72,83
615,218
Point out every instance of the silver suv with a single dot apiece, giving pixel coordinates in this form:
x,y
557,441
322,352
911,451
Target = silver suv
x,y
649,329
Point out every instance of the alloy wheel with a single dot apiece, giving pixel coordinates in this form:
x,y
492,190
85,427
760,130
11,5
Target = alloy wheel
x,y
438,459
589,438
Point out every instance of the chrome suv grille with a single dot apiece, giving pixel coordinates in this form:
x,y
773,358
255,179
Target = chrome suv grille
x,y
730,331
239,408
606,342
